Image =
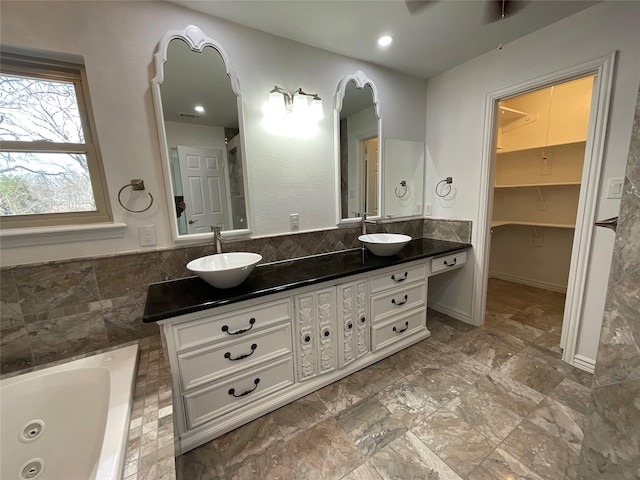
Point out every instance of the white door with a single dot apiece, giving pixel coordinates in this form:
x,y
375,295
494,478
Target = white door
x,y
204,187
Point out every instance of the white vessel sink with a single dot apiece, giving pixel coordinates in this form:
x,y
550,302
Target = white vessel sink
x,y
384,244
224,270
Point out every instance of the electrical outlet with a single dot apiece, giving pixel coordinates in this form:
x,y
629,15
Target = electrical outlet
x,y
293,218
428,208
147,235
418,209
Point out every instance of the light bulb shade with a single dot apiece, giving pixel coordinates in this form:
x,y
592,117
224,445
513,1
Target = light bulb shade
x,y
276,103
300,104
315,109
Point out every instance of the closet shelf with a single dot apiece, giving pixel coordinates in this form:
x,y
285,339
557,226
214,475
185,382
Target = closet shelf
x,y
501,151
510,114
500,223
548,184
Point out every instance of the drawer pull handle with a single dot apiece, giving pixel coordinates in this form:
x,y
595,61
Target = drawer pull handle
x,y
393,277
363,319
225,328
326,333
232,391
406,326
240,357
406,299
455,260
349,326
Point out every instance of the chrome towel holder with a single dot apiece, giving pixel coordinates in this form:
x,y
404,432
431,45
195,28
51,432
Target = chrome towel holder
x,y
403,185
136,184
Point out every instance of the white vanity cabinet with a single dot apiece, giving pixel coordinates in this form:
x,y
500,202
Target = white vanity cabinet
x,y
234,363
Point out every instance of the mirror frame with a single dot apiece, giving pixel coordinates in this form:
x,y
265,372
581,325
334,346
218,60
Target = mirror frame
x,y
360,80
197,41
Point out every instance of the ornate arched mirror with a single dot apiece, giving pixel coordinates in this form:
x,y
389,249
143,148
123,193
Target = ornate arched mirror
x,y
358,148
199,114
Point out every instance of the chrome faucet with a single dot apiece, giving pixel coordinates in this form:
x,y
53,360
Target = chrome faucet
x,y
217,237
363,223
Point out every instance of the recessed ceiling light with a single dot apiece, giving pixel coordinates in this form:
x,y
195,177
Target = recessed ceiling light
x,y
385,40
199,108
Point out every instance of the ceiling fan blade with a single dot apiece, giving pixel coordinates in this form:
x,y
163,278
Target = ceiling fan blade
x,y
493,10
416,6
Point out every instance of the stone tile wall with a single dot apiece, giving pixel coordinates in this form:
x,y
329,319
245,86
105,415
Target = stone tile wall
x,y
57,310
442,229
611,447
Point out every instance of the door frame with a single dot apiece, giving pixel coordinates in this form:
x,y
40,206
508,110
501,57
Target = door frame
x,y
603,67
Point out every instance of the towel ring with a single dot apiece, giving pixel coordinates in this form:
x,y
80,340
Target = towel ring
x,y
136,184
403,184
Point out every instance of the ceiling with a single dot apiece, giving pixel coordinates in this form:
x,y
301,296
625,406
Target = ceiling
x,y
436,37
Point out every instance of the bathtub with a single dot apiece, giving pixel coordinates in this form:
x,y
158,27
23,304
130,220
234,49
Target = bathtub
x,y
69,421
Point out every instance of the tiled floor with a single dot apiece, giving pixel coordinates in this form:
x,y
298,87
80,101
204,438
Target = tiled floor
x,y
468,403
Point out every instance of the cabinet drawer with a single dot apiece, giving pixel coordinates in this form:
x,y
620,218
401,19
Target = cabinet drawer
x,y
403,274
398,328
397,300
448,262
208,364
231,325
229,395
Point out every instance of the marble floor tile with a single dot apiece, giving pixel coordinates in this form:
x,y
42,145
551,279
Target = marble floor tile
x,y
560,421
407,401
573,395
323,452
481,409
370,425
407,458
440,384
524,332
501,465
550,457
510,393
454,440
339,396
366,471
531,371
462,365
488,348
300,415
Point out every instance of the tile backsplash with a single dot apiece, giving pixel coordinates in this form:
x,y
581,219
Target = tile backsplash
x,y
56,310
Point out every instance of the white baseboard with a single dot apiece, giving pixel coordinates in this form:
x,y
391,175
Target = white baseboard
x,y
584,363
452,312
529,282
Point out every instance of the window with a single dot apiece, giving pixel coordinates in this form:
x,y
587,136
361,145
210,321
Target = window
x,y
50,167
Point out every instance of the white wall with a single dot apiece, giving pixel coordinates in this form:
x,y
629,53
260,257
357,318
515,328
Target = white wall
x,y
403,161
118,41
456,109
190,135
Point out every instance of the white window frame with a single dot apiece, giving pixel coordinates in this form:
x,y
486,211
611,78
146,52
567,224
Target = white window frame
x,y
44,68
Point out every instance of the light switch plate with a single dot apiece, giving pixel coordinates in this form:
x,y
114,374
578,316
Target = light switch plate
x,y
614,188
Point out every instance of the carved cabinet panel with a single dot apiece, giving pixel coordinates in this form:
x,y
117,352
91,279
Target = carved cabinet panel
x,y
353,321
315,333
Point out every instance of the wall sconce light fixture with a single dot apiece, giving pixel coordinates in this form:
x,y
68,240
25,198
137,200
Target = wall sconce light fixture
x,y
298,103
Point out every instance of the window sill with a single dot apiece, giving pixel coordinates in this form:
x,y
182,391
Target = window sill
x,y
30,237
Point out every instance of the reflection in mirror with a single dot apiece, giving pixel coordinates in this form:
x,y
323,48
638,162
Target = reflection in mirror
x,y
358,154
403,178
202,135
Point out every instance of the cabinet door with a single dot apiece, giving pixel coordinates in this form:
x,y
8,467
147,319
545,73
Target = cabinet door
x,y
353,321
315,328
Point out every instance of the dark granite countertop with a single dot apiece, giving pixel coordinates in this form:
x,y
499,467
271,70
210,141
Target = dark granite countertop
x,y
186,295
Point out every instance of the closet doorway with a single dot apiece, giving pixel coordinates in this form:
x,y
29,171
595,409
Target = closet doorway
x,y
538,207
541,141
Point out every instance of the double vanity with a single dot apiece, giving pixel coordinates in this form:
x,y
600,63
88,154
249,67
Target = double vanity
x,y
289,329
